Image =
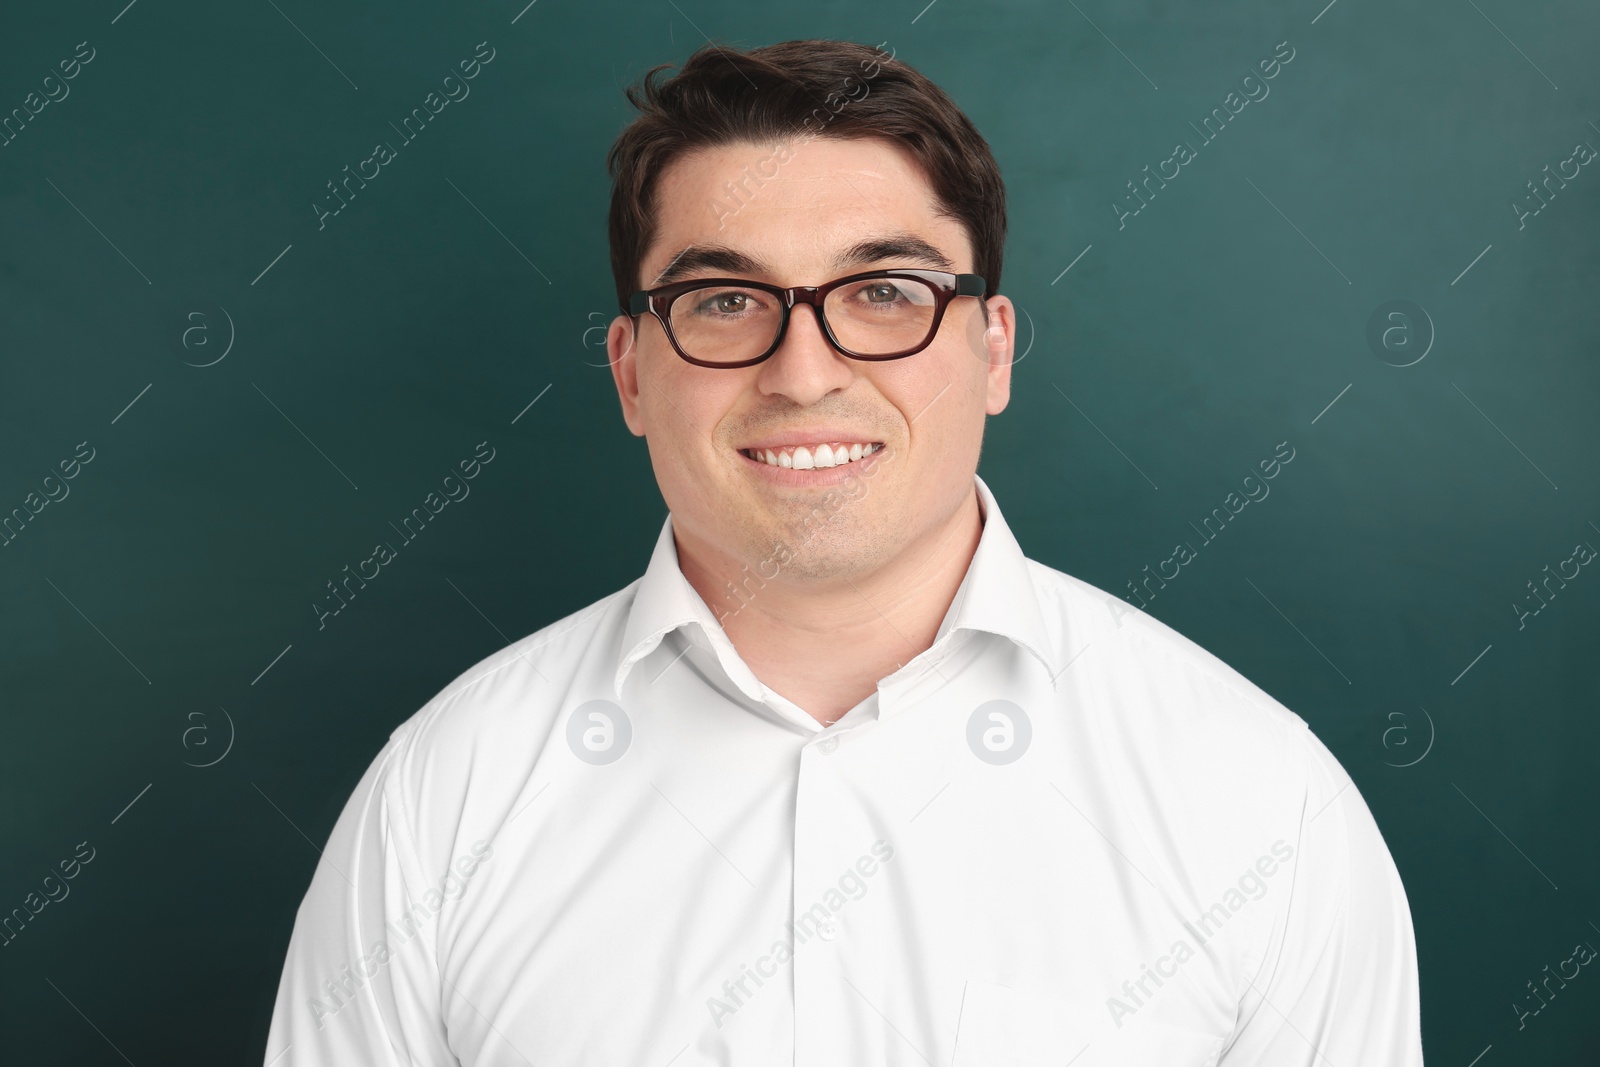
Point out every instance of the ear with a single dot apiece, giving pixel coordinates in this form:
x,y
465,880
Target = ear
x,y
999,348
622,351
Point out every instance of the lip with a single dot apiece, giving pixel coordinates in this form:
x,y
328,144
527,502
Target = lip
x,y
788,477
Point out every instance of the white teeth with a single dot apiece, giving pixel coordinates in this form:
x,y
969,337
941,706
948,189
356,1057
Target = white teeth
x,y
824,456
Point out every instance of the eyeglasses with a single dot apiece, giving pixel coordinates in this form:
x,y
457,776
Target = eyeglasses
x,y
877,315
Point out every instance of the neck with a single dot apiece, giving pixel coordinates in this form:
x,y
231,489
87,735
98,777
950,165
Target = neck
x,y
825,643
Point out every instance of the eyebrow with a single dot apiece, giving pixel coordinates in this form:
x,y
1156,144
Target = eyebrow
x,y
698,258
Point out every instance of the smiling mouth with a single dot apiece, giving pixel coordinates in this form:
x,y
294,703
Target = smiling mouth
x,y
821,457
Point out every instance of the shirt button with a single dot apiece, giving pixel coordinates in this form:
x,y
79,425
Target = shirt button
x,y
828,745
828,928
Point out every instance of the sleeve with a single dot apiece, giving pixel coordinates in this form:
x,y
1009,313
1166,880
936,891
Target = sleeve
x,y
1336,981
360,985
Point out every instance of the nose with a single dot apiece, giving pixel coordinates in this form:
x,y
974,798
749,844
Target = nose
x,y
806,367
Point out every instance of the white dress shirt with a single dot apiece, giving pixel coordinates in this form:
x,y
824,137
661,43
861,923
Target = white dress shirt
x,y
1062,834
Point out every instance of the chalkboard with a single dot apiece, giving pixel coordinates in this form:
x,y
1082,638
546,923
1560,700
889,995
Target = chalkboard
x,y
228,372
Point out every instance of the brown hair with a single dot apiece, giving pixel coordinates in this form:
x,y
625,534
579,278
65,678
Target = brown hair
x,y
723,95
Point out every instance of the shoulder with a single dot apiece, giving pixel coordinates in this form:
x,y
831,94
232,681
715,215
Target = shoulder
x,y
518,679
1215,780
466,752
1209,747
1141,654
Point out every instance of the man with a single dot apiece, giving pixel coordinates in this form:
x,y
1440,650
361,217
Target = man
x,y
844,778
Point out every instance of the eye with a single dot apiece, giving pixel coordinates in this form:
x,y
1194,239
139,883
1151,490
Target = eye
x,y
881,293
725,303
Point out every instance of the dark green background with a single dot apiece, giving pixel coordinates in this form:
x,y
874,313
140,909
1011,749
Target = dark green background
x,y
189,552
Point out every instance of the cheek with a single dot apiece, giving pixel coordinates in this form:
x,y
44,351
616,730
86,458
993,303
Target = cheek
x,y
949,394
663,393
685,407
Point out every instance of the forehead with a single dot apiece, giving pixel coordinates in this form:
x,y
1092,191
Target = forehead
x,y
799,206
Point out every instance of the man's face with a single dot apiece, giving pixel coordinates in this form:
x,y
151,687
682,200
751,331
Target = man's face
x,y
835,207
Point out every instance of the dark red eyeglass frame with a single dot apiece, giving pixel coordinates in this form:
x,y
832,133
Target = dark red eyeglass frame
x,y
946,287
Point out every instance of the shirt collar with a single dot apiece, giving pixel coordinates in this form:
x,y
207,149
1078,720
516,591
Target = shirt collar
x,y
997,595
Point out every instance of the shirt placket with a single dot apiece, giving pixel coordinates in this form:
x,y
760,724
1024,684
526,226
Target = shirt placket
x,y
828,837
